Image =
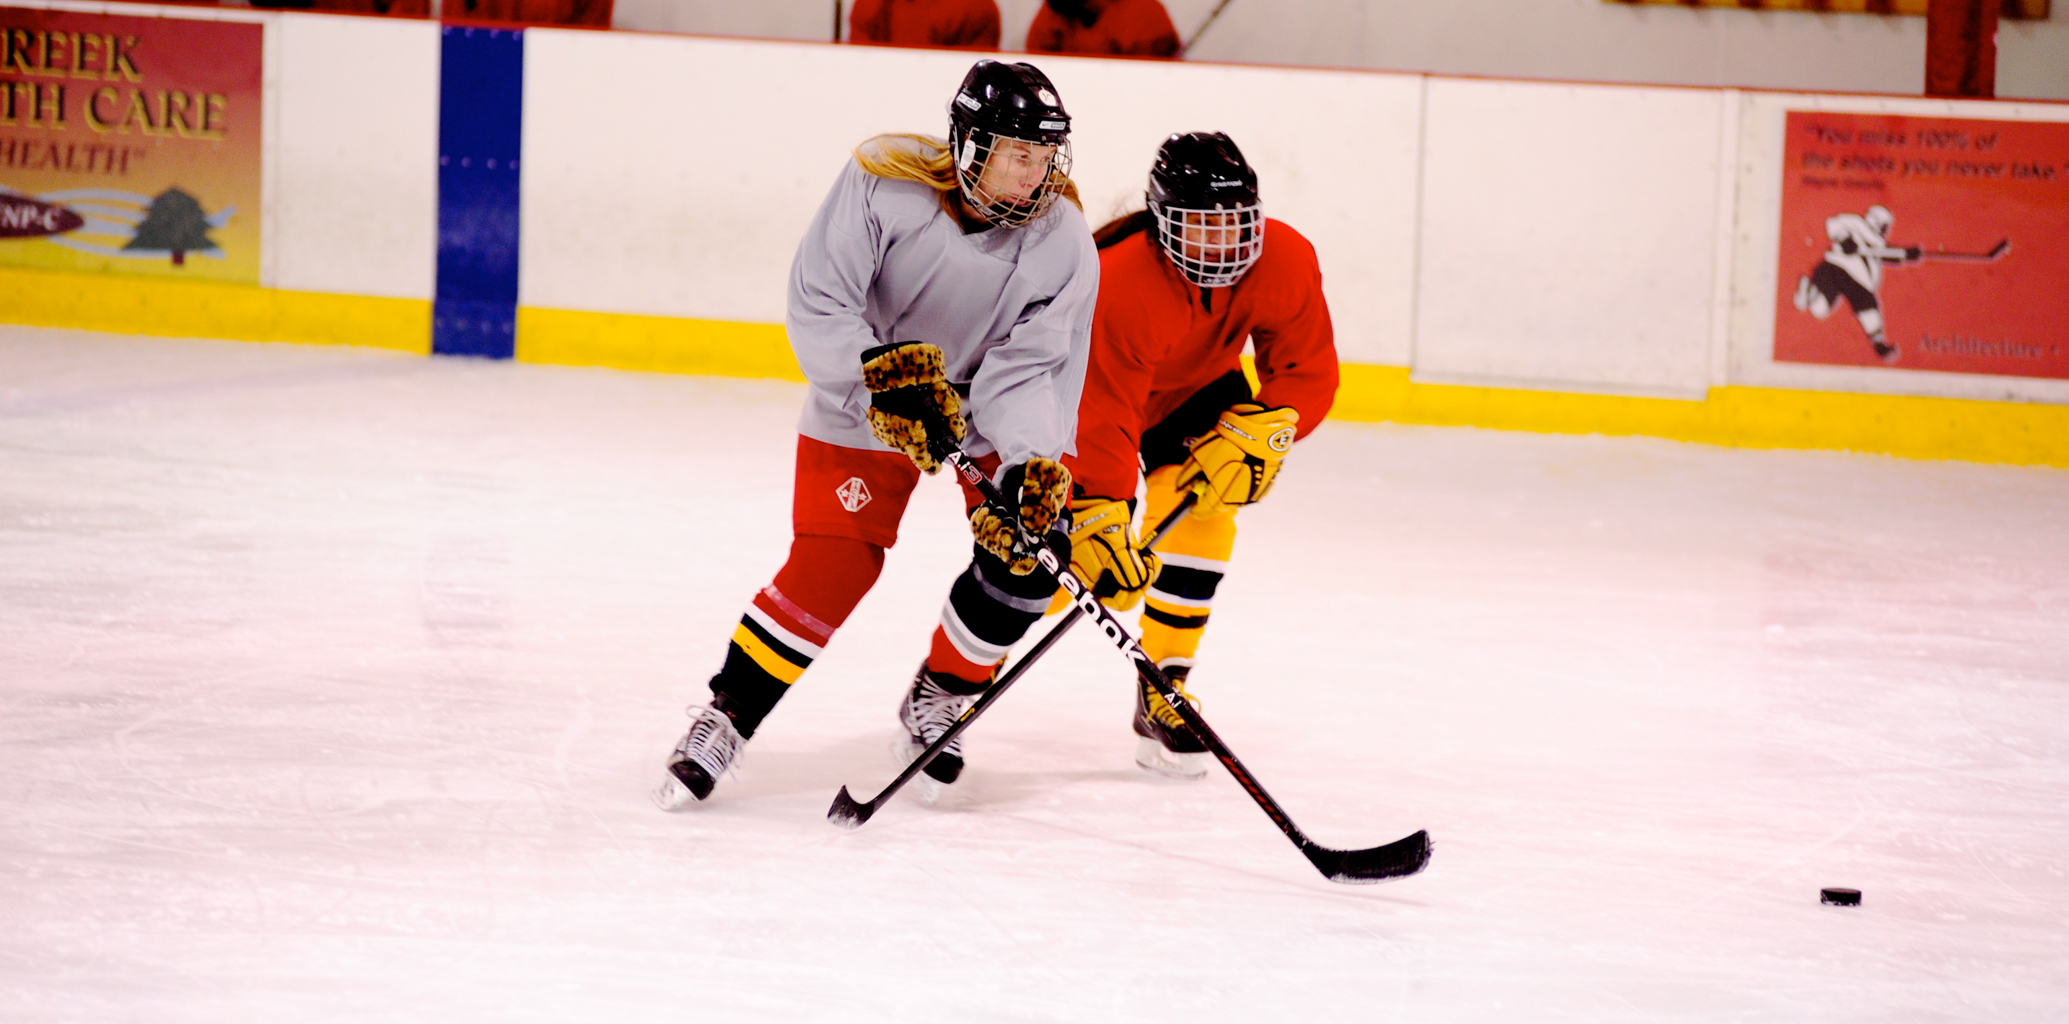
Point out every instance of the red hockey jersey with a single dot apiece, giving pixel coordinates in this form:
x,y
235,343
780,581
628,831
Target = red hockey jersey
x,y
1154,344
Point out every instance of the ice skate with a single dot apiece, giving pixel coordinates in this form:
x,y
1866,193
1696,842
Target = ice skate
x,y
1164,745
929,708
706,752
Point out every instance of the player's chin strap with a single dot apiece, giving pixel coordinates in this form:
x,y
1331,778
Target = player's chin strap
x,y
1401,857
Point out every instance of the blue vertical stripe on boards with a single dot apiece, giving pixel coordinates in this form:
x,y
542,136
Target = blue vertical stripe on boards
x,y
480,134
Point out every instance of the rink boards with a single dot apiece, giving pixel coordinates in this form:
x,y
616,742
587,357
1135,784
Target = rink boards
x,y
1520,255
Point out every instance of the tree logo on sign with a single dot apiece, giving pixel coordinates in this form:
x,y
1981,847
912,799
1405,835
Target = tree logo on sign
x,y
175,224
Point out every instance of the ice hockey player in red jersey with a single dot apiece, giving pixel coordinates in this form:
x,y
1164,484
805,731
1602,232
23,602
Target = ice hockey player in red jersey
x,y
939,289
1183,284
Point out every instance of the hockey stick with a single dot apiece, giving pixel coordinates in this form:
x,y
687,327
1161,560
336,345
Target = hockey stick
x,y
847,813
1399,858
2004,246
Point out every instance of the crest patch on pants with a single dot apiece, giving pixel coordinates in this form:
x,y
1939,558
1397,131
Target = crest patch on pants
x,y
853,495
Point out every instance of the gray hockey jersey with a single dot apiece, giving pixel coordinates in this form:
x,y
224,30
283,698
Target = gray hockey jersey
x,y
1010,308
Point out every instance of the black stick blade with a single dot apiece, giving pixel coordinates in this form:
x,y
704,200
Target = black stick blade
x,y
846,813
1398,859
1996,253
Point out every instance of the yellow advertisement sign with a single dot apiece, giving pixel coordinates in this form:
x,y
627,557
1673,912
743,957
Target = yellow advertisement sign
x,y
130,145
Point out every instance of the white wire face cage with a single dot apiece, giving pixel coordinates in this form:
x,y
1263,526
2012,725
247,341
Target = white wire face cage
x,y
1002,207
1212,248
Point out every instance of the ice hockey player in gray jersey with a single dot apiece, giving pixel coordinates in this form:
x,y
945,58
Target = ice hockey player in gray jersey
x,y
1852,268
941,287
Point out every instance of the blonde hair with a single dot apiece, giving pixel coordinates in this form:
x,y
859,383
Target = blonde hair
x,y
928,161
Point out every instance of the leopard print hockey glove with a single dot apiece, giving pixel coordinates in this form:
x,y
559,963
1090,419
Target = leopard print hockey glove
x,y
1040,488
911,401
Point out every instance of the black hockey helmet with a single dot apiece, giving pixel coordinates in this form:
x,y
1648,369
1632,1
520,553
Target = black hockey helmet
x,y
1013,100
1202,171
1203,204
1007,101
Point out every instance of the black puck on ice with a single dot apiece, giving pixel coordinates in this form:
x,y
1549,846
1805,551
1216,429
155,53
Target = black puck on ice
x,y
1840,897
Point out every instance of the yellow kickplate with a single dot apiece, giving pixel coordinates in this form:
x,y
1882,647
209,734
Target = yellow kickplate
x,y
211,309
2021,433
664,344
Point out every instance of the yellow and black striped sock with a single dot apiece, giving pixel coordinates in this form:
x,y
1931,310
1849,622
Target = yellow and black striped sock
x,y
773,645
1195,555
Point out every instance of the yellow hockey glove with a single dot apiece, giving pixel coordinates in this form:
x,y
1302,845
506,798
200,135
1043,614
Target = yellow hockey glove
x,y
1236,464
1106,553
1039,488
910,399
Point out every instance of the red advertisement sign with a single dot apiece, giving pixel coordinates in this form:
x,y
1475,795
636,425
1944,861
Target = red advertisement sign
x,y
1925,243
130,144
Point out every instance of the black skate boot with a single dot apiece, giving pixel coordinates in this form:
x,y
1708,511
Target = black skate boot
x,y
1166,746
933,704
704,754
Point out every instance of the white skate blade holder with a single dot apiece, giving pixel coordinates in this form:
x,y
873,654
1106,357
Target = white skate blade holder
x,y
924,787
1151,756
671,794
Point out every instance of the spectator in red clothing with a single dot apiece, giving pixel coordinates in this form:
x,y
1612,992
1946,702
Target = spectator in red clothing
x,y
1103,28
954,24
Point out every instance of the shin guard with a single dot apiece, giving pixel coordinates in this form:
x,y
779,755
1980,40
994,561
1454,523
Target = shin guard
x,y
789,622
1195,556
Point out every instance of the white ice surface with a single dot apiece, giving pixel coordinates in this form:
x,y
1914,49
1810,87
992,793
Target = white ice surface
x,y
332,683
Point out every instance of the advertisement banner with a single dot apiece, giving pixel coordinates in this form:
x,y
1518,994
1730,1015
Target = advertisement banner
x,y
1925,243
130,145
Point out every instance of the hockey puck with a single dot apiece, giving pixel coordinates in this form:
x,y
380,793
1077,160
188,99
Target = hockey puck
x,y
1840,897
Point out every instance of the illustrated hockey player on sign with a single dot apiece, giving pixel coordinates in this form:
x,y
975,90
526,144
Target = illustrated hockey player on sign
x,y
940,287
1852,269
1182,285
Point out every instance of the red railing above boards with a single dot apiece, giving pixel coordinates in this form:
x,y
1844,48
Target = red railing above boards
x,y
587,13
2015,10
